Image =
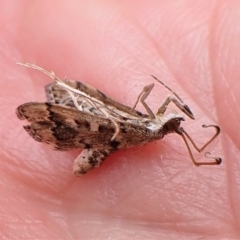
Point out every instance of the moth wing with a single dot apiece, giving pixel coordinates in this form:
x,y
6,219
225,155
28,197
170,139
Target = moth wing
x,y
58,95
65,128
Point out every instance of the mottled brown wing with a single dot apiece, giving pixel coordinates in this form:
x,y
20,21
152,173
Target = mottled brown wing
x,y
56,94
67,128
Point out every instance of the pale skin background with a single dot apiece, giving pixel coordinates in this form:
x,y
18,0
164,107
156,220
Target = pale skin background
x,y
151,192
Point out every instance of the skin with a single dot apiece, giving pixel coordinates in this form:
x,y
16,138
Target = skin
x,y
150,192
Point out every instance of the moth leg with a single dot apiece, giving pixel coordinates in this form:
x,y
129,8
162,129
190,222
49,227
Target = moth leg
x,y
183,107
142,96
90,159
176,100
184,134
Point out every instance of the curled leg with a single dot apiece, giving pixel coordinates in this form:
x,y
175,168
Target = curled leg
x,y
90,159
185,136
217,128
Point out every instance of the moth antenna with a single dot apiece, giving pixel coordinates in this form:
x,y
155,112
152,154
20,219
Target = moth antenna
x,y
167,87
33,66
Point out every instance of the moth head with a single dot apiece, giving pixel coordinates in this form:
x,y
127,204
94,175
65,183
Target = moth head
x,y
172,124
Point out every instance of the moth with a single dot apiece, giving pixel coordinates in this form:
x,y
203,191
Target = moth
x,y
77,115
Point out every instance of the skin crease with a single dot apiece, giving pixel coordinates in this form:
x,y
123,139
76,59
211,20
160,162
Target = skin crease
x,y
150,192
